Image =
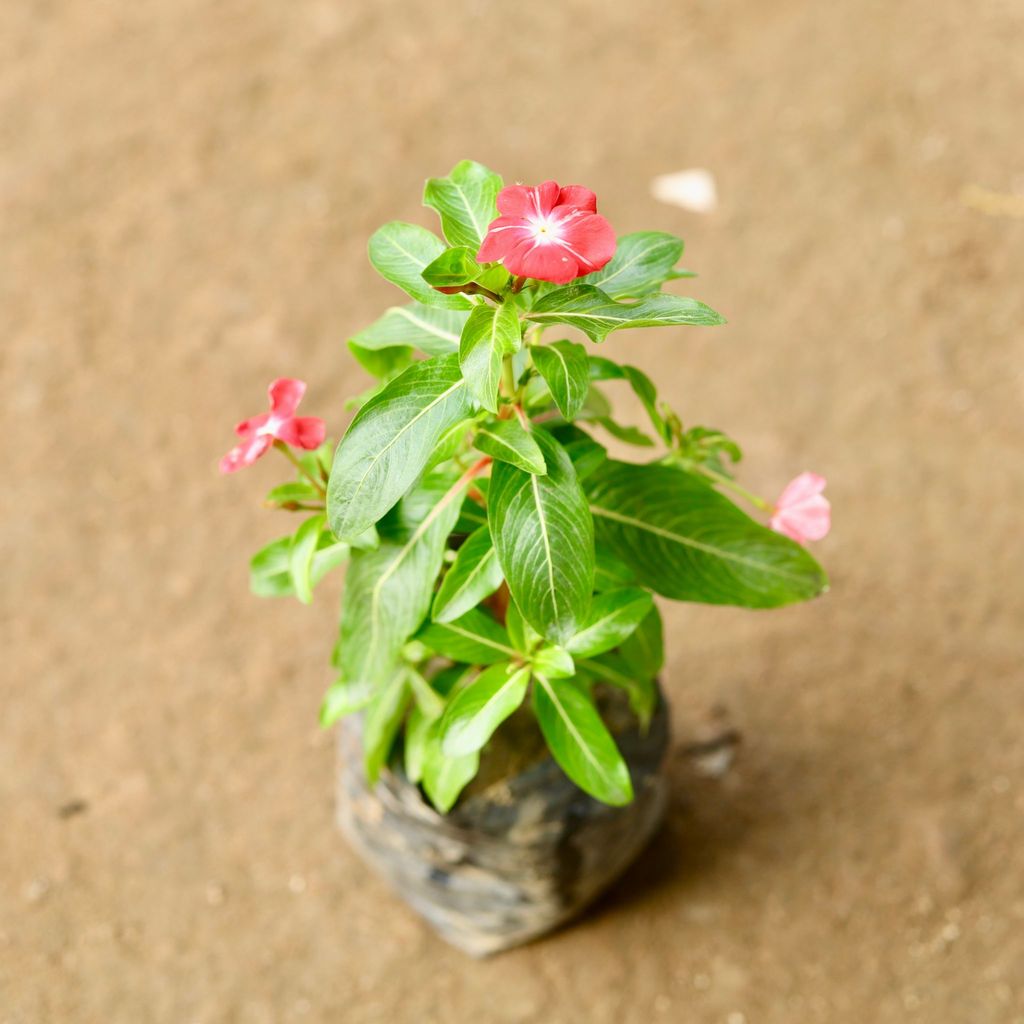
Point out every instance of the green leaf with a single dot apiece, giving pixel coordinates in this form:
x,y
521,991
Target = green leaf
x,y
345,698
509,441
613,617
640,689
642,263
428,700
596,314
491,332
401,252
604,369
388,591
686,541
298,492
431,330
472,516
390,441
523,636
587,455
454,267
472,716
554,663
380,726
300,557
451,442
382,363
466,202
580,743
631,435
445,777
417,729
543,534
645,390
474,638
563,365
644,650
611,572
269,569
474,575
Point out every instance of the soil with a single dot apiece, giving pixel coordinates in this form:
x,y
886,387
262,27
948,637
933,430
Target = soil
x,y
186,192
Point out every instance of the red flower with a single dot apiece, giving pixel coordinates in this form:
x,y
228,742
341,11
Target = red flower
x,y
281,423
549,233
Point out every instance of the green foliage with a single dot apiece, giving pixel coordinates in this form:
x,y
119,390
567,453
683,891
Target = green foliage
x,y
580,742
686,541
554,663
388,591
454,267
474,575
390,442
472,716
474,638
382,363
431,330
563,365
465,199
643,262
643,651
270,570
488,565
401,252
544,536
491,333
596,314
641,690
613,617
383,717
508,441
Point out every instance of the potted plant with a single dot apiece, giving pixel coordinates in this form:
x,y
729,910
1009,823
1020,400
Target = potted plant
x,y
499,646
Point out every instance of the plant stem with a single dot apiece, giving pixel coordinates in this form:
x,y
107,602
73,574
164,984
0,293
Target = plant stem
x,y
478,289
724,481
293,459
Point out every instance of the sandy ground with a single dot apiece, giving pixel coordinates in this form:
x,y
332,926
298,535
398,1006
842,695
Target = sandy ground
x,y
186,192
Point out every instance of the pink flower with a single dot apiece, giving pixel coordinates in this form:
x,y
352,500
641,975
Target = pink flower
x,y
802,512
549,233
281,423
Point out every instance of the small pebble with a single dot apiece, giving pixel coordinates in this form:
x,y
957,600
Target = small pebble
x,y
297,884
214,894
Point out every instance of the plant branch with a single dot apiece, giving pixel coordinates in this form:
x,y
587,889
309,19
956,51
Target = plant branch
x,y
292,458
725,481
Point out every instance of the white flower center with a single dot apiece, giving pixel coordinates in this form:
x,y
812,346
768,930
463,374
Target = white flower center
x,y
545,230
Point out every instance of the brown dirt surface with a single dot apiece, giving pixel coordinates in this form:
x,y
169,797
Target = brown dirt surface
x,y
186,189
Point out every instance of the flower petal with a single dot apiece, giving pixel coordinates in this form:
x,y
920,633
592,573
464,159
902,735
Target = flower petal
x,y
246,453
590,238
528,200
248,427
502,234
302,431
578,196
285,395
811,520
799,489
545,261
